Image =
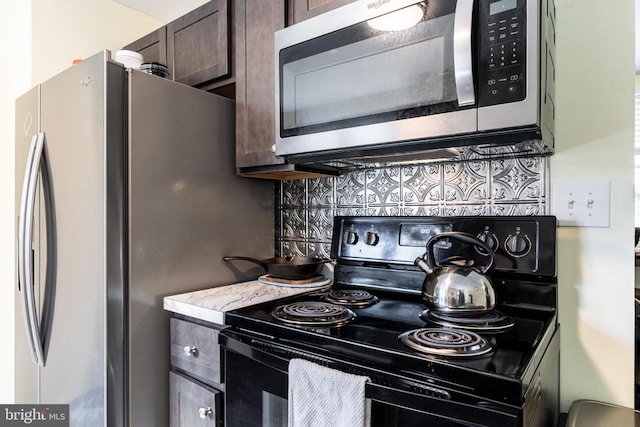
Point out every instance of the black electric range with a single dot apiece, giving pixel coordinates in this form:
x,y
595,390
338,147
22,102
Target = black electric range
x,y
500,369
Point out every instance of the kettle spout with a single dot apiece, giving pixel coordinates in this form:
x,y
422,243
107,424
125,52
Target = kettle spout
x,y
423,265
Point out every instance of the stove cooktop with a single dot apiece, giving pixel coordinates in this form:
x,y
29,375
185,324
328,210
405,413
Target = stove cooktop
x,y
373,338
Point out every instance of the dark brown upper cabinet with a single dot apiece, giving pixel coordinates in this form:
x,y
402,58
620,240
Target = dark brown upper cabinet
x,y
153,46
299,10
196,47
255,23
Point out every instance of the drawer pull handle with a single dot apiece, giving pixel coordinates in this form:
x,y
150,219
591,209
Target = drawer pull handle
x,y
190,350
205,412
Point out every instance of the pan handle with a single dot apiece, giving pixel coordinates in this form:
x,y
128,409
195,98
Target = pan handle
x,y
244,258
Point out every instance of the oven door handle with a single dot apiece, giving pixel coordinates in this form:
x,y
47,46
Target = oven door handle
x,y
462,52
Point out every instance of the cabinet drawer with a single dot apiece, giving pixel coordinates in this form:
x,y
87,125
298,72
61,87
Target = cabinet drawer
x,y
192,403
195,349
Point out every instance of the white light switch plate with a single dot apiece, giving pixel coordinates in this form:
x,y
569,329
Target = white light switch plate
x,y
582,204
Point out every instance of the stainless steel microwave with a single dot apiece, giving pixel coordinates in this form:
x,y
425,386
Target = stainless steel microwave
x,y
391,77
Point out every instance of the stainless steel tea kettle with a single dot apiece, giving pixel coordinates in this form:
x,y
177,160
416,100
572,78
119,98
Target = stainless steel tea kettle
x,y
453,287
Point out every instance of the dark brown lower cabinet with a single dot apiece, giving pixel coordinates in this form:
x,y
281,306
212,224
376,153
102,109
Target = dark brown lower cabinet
x,y
195,381
193,403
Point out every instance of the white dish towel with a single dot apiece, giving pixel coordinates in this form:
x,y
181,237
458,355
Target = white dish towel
x,y
320,396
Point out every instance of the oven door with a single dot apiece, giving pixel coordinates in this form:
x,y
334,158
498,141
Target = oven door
x,y
256,392
356,76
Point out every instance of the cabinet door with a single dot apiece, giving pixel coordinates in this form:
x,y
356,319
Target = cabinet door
x,y
198,44
192,403
299,10
153,46
256,21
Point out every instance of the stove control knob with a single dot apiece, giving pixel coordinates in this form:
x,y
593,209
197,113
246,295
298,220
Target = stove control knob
x,y
489,238
372,238
517,245
351,237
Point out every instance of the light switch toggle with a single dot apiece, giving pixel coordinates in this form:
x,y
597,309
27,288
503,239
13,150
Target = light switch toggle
x,y
582,204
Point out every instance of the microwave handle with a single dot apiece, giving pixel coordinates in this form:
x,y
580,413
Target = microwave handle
x,y
462,53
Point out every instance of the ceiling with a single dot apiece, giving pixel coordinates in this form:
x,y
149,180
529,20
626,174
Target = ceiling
x,y
164,10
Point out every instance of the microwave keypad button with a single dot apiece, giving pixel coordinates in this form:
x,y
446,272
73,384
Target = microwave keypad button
x,y
491,82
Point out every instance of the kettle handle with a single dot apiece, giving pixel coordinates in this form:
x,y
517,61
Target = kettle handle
x,y
461,237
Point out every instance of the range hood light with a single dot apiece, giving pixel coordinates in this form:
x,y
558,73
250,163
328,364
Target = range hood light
x,y
399,20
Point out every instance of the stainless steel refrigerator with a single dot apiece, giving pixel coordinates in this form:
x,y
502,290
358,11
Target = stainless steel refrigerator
x,y
126,192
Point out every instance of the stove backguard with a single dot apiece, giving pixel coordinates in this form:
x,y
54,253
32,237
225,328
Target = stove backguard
x,y
378,253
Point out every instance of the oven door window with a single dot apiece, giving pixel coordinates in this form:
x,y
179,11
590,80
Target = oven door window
x,y
369,73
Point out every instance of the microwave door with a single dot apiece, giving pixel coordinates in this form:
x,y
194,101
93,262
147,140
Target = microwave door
x,y
359,84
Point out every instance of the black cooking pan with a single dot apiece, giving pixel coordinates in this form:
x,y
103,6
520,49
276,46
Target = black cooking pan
x,y
294,268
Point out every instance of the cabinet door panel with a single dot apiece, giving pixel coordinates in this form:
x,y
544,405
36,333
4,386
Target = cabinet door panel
x,y
192,403
198,44
299,10
256,21
153,46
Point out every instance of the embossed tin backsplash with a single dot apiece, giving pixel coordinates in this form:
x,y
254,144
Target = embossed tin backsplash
x,y
305,208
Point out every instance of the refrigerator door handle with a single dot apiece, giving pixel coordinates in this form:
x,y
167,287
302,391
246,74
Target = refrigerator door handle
x,y
25,241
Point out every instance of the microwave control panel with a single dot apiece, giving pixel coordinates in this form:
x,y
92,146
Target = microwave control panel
x,y
502,46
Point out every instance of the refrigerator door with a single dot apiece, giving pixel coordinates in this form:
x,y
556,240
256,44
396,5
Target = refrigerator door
x,y
27,126
73,115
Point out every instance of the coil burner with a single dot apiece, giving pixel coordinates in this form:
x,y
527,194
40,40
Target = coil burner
x,y
352,298
446,342
313,313
492,322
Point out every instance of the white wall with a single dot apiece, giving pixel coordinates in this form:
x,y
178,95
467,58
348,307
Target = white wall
x,y
595,122
62,30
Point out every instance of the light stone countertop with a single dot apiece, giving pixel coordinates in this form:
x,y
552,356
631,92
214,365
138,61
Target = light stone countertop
x,y
211,304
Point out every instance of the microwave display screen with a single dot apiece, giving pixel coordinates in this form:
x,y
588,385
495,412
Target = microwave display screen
x,y
502,6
